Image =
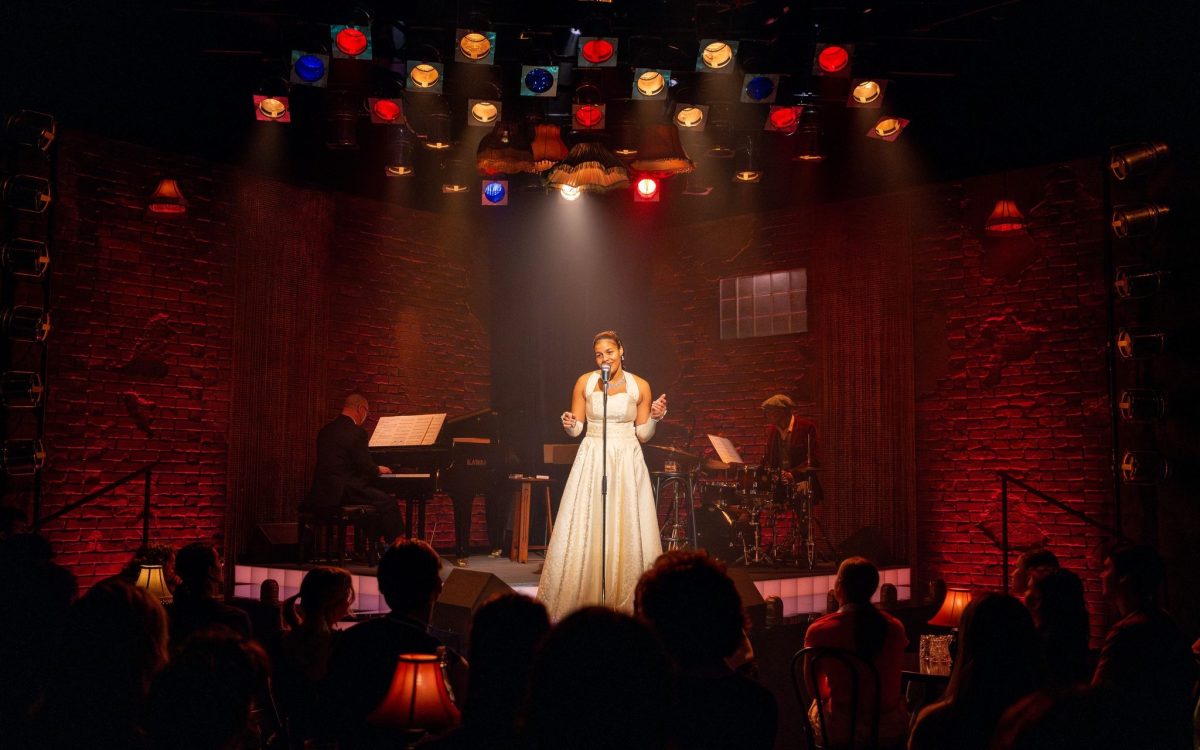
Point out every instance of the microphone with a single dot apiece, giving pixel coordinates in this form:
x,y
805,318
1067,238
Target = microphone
x,y
604,368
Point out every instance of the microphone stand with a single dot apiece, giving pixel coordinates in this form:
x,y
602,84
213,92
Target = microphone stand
x,y
604,490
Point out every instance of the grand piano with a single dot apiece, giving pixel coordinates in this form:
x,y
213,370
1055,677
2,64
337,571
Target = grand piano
x,y
464,461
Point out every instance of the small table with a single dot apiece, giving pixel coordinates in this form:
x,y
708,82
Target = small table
x,y
921,682
520,537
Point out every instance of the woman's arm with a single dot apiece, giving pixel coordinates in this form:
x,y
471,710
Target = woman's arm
x,y
573,420
648,414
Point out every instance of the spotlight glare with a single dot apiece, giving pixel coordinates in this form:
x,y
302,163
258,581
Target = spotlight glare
x,y
570,192
647,187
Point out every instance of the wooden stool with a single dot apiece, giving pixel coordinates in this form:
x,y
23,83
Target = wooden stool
x,y
521,508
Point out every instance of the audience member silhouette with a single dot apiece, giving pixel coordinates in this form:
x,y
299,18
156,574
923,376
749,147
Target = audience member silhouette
x,y
999,661
876,637
1060,615
35,596
1078,718
600,681
212,696
301,656
114,641
715,707
505,634
1145,657
1031,565
364,657
195,606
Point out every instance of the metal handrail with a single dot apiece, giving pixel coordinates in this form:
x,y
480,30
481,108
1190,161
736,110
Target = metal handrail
x,y
1005,478
148,470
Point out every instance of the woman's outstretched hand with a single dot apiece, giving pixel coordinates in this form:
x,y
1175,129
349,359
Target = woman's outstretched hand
x,y
658,409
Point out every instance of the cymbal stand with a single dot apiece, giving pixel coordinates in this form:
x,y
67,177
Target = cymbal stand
x,y
674,534
756,554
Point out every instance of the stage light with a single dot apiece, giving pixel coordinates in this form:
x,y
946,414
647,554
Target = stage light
x,y
1134,283
539,80
887,128
504,151
25,257
476,47
483,112
25,323
1004,219
588,111
591,168
784,120
570,192
809,136
437,129
455,177
720,131
697,185
866,93
386,111
167,198
597,52
400,144
649,83
832,59
716,55
425,76
351,42
627,138
759,88
31,129
746,168
548,146
341,120
646,190
1139,220
1141,405
1144,467
1136,159
22,458
691,117
20,390
25,192
495,193
271,108
660,153
309,69
1140,344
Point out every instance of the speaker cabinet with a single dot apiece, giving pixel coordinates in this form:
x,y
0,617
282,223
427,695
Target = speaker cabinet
x,y
752,599
275,542
462,593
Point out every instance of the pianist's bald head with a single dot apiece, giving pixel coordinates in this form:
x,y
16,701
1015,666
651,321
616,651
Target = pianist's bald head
x,y
356,407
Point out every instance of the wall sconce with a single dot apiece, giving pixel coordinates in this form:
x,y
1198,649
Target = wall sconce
x,y
745,166
588,168
437,128
154,581
22,458
1141,405
25,323
548,146
1144,467
808,140
25,192
20,390
661,153
456,178
25,257
167,199
1138,221
1136,159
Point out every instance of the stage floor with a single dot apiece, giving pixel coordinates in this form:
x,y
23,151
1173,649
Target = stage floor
x,y
802,591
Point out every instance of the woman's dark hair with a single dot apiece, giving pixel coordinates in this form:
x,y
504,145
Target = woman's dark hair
x,y
859,578
611,335
1060,615
323,590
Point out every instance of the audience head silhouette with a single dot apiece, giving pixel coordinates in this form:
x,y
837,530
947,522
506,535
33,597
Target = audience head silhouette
x,y
326,594
1132,576
199,569
409,578
685,588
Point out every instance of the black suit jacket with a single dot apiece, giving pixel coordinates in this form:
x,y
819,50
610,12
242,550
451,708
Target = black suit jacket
x,y
344,465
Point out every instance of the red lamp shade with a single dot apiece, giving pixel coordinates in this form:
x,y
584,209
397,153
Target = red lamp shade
x,y
548,146
167,198
1006,217
661,152
952,608
504,151
418,698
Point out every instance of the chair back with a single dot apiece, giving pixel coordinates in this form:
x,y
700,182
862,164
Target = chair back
x,y
808,666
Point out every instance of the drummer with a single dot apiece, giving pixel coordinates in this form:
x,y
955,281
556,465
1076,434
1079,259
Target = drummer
x,y
792,443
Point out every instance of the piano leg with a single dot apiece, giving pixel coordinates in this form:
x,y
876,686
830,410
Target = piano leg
x,y
464,502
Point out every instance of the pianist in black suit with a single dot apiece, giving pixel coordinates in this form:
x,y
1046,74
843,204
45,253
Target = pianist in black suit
x,y
345,469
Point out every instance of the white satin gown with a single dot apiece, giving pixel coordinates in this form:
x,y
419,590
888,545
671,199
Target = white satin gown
x,y
571,575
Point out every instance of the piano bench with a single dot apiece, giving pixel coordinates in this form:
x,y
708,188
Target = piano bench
x,y
323,532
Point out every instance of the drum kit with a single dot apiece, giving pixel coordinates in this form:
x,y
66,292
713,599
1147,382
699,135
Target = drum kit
x,y
741,514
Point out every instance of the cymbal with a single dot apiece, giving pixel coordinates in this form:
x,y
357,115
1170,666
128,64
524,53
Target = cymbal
x,y
805,468
673,451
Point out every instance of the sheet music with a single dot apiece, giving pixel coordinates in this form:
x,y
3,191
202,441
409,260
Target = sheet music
x,y
725,450
406,429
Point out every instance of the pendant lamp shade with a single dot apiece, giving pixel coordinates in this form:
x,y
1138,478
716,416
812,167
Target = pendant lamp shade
x,y
504,151
1006,217
167,198
589,167
661,153
548,146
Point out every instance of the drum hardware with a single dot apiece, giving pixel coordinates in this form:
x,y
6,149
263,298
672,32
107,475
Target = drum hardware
x,y
675,532
755,554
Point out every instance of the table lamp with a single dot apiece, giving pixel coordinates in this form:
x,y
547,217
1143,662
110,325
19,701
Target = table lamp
x,y
419,699
951,611
151,578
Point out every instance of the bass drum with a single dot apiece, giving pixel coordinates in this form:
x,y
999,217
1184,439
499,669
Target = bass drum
x,y
714,533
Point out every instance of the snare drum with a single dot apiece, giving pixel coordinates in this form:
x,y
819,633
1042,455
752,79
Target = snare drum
x,y
718,493
755,479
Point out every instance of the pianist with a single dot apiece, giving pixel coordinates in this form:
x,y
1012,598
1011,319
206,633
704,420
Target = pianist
x,y
345,469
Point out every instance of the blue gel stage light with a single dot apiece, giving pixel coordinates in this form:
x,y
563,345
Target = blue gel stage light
x,y
494,192
539,80
309,68
759,88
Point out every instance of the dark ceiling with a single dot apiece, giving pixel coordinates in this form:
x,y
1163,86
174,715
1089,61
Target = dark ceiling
x,y
987,85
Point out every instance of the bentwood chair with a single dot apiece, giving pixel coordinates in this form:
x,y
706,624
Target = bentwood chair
x,y
861,732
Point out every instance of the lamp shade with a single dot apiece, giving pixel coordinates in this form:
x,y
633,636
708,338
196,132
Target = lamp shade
x,y
591,168
952,608
1006,217
548,146
504,151
419,698
167,198
152,578
661,153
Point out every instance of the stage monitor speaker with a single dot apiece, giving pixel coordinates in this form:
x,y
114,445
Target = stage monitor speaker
x,y
752,599
275,542
462,593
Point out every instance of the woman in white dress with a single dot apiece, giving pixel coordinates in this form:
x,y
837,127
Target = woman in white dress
x,y
629,542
